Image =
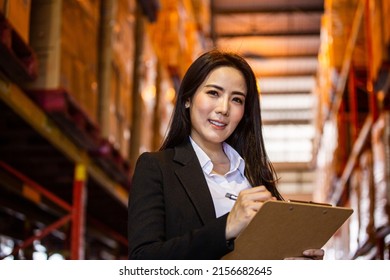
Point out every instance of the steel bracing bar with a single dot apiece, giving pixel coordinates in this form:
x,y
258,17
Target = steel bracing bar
x,y
41,190
113,234
42,233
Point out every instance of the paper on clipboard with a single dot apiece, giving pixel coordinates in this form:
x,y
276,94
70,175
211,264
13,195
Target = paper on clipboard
x,y
285,229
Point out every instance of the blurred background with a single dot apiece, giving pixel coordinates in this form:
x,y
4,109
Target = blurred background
x,y
88,85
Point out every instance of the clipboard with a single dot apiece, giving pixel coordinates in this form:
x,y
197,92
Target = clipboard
x,y
285,229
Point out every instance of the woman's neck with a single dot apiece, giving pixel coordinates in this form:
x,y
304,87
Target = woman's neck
x,y
221,162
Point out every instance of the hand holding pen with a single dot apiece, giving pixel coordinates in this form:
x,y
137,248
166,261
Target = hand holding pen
x,y
248,202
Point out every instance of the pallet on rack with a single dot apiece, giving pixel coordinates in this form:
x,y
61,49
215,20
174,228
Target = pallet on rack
x,y
73,120
70,117
110,160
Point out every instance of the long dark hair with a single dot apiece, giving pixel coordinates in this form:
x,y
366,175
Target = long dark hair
x,y
247,138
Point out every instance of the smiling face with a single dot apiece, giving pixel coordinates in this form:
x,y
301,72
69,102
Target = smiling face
x,y
217,106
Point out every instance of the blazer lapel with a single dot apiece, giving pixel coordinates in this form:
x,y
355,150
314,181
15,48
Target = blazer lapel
x,y
192,178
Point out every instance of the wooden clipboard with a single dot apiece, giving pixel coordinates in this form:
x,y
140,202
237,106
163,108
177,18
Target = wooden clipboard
x,y
285,229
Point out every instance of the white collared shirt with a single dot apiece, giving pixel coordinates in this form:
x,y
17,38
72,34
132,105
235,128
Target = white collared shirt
x,y
232,182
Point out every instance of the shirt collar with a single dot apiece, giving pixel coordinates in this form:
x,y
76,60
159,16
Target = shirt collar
x,y
236,161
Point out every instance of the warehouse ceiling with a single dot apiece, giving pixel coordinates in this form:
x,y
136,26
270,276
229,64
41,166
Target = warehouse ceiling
x,y
281,40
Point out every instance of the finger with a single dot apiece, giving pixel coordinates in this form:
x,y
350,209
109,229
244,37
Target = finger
x,y
249,208
256,194
299,258
317,254
256,189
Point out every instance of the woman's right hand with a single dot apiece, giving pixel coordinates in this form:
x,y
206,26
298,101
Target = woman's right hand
x,y
248,202
310,254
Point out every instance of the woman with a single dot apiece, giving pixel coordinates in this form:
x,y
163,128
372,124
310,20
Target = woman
x,y
179,206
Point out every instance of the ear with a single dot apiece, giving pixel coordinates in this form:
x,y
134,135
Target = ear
x,y
187,104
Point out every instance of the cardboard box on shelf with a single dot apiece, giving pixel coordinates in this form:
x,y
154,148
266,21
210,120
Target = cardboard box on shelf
x,y
64,36
386,23
119,79
17,12
2,6
378,48
369,48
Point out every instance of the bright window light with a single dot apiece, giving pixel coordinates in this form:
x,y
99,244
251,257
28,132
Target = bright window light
x,y
288,131
286,101
289,143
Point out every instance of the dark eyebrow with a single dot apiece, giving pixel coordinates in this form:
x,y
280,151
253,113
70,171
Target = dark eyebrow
x,y
221,89
214,86
240,93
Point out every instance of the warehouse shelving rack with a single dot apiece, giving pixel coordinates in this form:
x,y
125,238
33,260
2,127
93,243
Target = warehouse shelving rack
x,y
356,130
52,188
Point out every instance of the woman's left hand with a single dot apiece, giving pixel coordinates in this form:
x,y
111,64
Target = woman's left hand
x,y
310,254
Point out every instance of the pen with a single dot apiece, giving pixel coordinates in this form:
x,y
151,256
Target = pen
x,y
231,196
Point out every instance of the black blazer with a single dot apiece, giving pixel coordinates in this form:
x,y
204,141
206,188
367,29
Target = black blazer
x,y
171,212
